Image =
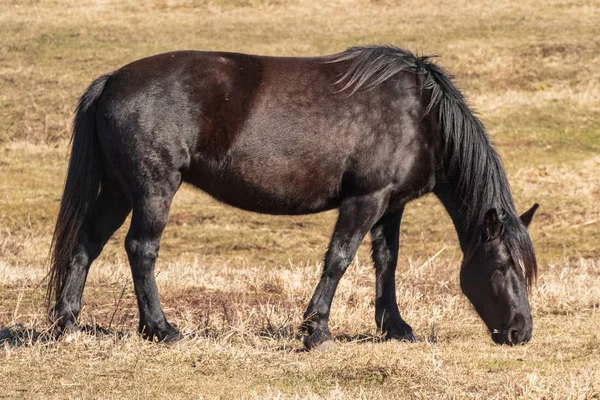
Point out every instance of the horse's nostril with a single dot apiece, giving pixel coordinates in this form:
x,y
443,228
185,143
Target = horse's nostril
x,y
513,336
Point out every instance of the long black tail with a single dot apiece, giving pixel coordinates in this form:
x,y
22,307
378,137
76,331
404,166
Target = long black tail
x,y
81,188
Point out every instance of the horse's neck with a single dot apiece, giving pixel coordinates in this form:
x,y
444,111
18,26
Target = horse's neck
x,y
467,227
445,191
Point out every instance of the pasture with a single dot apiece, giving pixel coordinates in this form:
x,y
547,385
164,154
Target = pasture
x,y
238,283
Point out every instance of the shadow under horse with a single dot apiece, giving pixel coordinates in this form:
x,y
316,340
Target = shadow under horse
x,y
364,131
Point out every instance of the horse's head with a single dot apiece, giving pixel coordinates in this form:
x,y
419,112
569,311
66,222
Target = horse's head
x,y
495,274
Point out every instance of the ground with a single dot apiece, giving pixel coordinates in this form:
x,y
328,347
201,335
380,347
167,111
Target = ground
x,y
237,282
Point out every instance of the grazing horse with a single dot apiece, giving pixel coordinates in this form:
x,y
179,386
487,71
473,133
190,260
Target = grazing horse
x,y
364,131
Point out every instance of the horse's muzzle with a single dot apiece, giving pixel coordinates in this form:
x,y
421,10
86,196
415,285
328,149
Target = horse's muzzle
x,y
510,336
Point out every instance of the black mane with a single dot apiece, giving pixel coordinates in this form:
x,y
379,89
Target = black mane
x,y
471,163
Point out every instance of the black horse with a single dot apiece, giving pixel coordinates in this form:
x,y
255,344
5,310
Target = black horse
x,y
364,131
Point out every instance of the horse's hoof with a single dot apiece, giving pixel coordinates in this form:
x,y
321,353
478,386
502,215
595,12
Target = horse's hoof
x,y
172,337
165,334
404,337
325,346
62,322
58,331
318,341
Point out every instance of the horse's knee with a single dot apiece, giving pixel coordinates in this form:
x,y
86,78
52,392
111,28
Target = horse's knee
x,y
141,252
336,263
335,269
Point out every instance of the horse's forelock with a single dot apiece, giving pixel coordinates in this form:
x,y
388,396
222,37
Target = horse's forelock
x,y
520,247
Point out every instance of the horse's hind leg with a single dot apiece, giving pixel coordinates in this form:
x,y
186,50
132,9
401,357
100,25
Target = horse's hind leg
x,y
110,210
385,239
356,217
150,214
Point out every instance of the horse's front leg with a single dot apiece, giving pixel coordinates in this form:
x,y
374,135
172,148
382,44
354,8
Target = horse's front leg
x,y
385,241
356,217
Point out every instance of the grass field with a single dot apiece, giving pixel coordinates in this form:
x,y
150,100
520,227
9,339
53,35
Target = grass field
x,y
239,282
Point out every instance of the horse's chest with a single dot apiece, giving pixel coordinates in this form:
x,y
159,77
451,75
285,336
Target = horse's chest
x,y
414,176
406,165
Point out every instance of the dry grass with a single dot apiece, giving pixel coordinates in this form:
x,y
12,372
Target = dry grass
x,y
238,282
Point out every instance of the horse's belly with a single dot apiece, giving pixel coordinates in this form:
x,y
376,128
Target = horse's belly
x,y
267,186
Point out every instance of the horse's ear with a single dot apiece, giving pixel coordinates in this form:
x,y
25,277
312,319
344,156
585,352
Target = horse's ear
x,y
492,224
528,215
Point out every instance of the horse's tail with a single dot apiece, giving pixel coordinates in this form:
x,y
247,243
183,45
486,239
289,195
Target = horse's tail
x,y
81,188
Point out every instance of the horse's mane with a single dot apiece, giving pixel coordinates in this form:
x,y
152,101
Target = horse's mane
x,y
471,163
